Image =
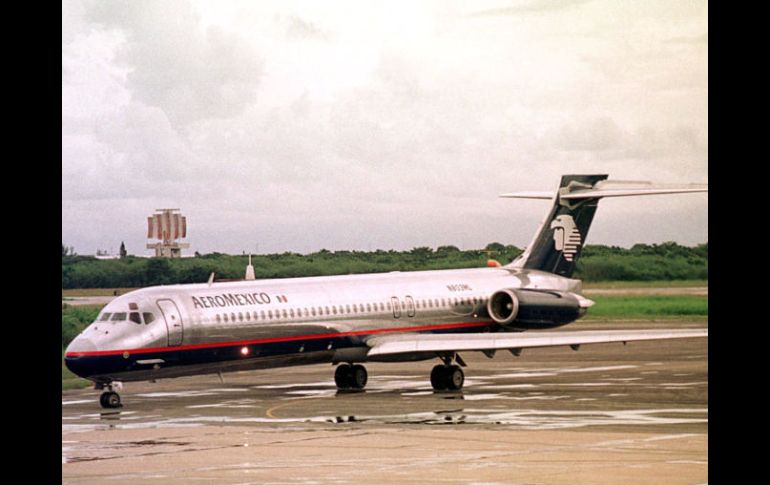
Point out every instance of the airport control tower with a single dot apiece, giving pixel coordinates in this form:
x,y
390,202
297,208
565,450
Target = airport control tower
x,y
167,225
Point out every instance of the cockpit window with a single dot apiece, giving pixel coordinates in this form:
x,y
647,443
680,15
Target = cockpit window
x,y
105,317
148,318
118,317
135,317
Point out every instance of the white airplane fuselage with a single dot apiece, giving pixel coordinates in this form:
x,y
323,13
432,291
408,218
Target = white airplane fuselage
x,y
228,326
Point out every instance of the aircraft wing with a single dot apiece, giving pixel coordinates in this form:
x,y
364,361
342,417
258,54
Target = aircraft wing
x,y
416,343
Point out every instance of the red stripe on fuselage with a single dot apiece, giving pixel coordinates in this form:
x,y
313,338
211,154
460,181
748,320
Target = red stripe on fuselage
x,y
357,333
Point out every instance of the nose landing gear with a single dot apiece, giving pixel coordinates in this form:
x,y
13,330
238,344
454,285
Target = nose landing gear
x,y
109,398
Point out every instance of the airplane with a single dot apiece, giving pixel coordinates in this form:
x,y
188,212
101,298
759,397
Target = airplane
x,y
215,327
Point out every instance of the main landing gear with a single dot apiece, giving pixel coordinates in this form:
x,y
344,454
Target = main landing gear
x,y
350,377
449,376
109,398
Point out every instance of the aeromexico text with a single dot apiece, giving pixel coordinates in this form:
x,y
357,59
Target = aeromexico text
x,y
232,299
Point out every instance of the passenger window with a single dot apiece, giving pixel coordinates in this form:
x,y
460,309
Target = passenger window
x,y
118,317
270,314
368,307
219,318
135,317
283,312
262,314
312,310
225,317
105,317
148,318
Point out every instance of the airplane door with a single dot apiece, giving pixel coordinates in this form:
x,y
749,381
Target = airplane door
x,y
409,306
396,307
173,320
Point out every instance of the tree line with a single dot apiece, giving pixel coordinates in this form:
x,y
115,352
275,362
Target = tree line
x,y
641,262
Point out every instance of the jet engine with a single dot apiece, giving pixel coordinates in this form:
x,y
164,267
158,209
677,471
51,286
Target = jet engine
x,y
535,308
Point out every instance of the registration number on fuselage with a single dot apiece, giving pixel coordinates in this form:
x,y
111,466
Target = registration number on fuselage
x,y
459,287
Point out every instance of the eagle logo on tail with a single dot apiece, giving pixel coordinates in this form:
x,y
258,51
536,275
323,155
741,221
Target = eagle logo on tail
x,y
566,236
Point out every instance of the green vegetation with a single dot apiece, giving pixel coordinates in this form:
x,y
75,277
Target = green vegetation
x,y
642,262
619,285
648,306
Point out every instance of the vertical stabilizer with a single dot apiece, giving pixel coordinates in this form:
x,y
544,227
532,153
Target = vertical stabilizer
x,y
559,241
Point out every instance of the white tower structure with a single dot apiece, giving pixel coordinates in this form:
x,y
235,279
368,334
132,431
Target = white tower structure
x,y
166,226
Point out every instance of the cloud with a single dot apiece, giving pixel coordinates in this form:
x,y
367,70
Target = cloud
x,y
176,64
530,7
297,28
264,127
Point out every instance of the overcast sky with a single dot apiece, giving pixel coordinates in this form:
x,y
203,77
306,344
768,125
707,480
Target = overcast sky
x,y
295,126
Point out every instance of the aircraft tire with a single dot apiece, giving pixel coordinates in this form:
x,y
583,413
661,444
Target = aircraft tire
x,y
455,378
358,376
110,400
343,376
438,378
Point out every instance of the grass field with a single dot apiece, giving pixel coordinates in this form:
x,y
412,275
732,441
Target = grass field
x,y
94,292
648,306
644,284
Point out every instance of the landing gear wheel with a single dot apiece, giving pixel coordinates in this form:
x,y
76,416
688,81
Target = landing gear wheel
x,y
437,379
110,400
455,378
349,377
359,377
447,378
342,376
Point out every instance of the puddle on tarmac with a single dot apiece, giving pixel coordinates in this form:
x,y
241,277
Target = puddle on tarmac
x,y
207,392
532,419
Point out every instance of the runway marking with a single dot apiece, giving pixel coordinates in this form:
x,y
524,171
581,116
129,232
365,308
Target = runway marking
x,y
269,412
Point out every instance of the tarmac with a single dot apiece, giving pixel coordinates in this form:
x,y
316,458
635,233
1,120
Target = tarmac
x,y
608,413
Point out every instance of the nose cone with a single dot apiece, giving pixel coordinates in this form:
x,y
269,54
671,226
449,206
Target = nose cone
x,y
81,344
73,360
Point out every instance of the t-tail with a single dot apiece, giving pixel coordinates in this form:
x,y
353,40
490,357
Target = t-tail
x,y
559,241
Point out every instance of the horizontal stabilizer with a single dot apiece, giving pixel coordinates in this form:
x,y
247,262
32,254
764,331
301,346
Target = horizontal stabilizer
x,y
615,188
529,195
417,343
610,188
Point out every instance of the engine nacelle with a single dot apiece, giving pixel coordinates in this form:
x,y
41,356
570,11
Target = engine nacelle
x,y
503,306
534,308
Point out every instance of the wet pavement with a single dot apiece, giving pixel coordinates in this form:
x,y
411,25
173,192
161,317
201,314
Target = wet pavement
x,y
600,415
